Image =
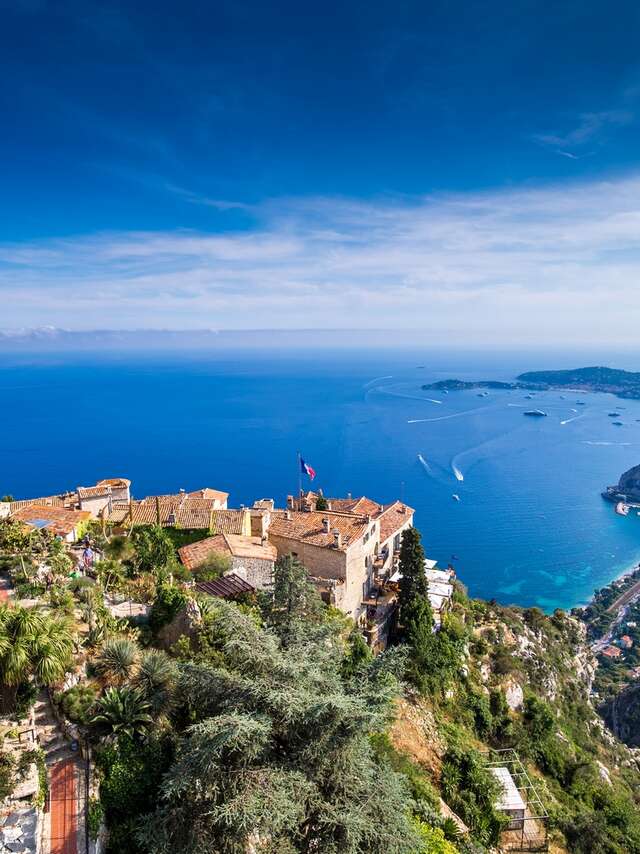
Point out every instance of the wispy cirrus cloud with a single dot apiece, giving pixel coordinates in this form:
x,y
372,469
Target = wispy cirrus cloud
x,y
589,129
552,264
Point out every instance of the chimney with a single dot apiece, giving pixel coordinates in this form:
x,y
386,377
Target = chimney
x,y
337,539
326,524
290,502
287,514
260,524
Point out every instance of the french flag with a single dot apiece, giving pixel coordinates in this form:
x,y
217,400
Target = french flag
x,y
306,469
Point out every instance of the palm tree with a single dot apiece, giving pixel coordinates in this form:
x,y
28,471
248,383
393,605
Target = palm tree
x,y
32,644
156,679
124,711
118,661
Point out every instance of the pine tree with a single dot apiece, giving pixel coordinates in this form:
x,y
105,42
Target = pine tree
x,y
295,603
278,757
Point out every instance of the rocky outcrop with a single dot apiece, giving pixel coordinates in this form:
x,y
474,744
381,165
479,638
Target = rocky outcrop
x,y
629,483
187,623
622,715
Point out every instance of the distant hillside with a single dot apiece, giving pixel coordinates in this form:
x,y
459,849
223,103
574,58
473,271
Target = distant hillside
x,y
621,383
613,380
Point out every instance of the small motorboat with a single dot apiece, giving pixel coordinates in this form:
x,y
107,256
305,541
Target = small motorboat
x,y
535,413
455,496
617,423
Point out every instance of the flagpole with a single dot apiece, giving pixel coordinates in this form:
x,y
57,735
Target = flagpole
x,y
299,476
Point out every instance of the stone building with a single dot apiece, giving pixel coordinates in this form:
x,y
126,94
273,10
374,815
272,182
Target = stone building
x,y
348,548
250,558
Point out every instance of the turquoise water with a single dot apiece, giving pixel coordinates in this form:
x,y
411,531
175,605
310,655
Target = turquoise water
x,y
530,526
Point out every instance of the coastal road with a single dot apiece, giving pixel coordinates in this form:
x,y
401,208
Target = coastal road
x,y
619,606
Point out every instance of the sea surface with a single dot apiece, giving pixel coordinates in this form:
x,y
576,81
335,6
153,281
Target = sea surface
x,y
530,526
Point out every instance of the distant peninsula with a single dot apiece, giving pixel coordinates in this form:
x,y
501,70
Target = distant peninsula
x,y
624,384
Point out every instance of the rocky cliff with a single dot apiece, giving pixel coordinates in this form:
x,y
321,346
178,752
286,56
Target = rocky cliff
x,y
622,715
629,483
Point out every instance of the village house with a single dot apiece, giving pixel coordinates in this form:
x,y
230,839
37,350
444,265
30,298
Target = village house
x,y
626,642
348,548
189,511
611,652
60,521
106,494
251,558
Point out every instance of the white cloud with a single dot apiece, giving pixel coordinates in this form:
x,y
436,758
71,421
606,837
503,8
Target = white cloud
x,y
523,266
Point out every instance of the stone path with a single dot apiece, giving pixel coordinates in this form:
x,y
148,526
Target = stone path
x,y
63,797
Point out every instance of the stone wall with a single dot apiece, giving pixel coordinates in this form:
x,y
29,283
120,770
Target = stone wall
x,y
256,571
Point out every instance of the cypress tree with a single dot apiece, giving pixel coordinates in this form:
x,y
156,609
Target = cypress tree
x,y
413,582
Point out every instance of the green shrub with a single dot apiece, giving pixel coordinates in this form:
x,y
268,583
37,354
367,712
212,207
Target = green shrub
x,y
77,703
94,818
169,600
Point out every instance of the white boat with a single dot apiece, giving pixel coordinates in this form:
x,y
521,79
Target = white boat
x,y
455,496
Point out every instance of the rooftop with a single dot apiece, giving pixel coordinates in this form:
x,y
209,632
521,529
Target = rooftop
x,y
227,587
237,545
394,517
59,520
310,528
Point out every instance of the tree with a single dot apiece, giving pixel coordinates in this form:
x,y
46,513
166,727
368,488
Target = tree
x,y
279,752
358,655
153,549
322,503
32,644
295,601
414,581
156,678
124,711
118,661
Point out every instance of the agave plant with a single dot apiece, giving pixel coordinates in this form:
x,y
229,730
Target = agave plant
x,y
124,711
118,661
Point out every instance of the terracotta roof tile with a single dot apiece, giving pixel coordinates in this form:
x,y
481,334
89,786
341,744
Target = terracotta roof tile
x,y
309,527
394,517
196,554
94,491
62,521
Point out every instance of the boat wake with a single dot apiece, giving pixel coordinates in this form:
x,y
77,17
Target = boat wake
x,y
575,418
618,444
424,463
457,472
431,400
445,417
376,380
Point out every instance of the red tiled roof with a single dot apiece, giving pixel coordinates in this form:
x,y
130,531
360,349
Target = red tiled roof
x,y
94,491
196,554
62,521
227,587
309,528
394,517
363,506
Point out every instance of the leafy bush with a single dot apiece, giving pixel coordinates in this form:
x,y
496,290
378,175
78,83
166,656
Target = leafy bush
x,y
94,817
471,790
168,602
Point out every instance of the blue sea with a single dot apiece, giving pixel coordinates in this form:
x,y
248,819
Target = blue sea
x,y
530,526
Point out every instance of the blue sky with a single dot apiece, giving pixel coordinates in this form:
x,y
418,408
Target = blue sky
x,y
444,165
